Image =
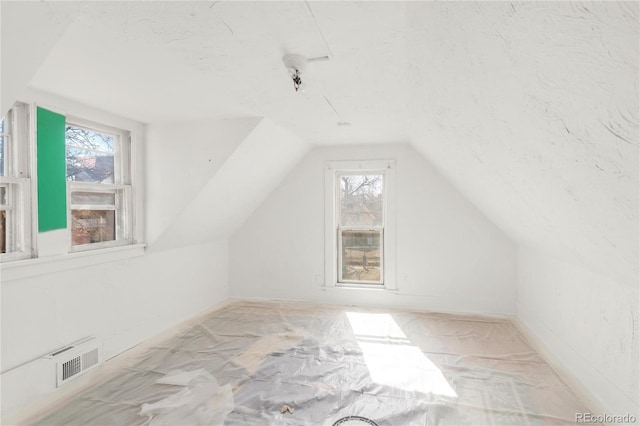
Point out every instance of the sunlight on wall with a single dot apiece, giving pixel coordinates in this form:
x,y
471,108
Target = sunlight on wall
x,y
391,358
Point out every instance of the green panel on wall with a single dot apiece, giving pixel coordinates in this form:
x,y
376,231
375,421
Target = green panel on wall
x,y
52,174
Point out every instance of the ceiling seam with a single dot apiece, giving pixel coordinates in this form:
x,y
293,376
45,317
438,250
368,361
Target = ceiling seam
x,y
315,22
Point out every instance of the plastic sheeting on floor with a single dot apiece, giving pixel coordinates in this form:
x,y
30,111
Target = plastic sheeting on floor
x,y
243,363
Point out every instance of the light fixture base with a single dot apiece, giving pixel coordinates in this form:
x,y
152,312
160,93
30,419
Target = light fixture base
x,y
293,63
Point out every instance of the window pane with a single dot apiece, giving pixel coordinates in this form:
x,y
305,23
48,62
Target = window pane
x,y
92,226
79,137
89,166
361,260
361,200
90,155
95,198
3,195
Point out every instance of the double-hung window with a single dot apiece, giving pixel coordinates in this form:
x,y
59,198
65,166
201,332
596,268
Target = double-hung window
x,y
99,185
15,184
360,216
359,237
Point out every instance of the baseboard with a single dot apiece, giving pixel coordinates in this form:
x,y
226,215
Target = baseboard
x,y
163,335
560,368
51,397
33,412
376,305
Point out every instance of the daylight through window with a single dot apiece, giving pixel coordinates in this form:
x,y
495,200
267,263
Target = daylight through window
x,y
360,215
100,193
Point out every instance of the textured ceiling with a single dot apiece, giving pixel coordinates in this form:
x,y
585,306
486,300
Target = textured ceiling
x,y
531,109
173,61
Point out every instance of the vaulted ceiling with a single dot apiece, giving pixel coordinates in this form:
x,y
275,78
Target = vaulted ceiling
x,y
530,109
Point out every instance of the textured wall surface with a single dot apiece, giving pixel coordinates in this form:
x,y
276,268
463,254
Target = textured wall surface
x,y
532,110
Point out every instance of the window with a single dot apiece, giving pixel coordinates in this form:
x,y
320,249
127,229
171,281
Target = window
x,y
359,238
99,185
15,184
360,216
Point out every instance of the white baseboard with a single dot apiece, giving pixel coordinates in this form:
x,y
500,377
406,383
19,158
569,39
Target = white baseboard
x,y
36,409
374,305
560,368
26,396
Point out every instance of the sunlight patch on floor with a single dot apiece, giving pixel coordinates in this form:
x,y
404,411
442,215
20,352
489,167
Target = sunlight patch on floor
x,y
393,360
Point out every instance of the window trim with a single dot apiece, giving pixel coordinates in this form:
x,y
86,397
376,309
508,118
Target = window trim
x,y
27,268
17,179
332,261
19,232
122,177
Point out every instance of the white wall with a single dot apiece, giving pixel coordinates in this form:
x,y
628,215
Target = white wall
x,y
122,302
227,171
449,256
181,159
122,295
588,321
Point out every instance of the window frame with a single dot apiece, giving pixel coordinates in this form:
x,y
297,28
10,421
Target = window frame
x,y
17,181
342,228
333,229
122,188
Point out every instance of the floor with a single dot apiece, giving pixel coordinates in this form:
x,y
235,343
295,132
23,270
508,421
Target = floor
x,y
247,362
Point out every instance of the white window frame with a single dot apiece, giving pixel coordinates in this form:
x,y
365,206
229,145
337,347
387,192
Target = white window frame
x,y
334,169
16,180
121,188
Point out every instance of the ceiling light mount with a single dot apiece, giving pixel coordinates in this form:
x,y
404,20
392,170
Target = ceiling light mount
x,y
296,64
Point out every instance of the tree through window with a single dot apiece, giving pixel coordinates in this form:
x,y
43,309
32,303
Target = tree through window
x,y
90,155
360,228
97,170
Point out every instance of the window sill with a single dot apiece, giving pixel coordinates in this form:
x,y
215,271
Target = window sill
x,y
375,287
20,269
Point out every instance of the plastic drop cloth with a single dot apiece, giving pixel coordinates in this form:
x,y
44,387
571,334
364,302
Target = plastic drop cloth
x,y
242,363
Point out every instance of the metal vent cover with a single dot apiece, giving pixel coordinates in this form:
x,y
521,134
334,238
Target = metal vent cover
x,y
71,368
76,359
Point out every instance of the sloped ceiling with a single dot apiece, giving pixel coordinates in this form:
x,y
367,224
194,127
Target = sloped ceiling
x,y
531,109
244,179
29,31
206,147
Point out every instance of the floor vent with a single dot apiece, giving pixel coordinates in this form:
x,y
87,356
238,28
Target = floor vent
x,y
76,359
